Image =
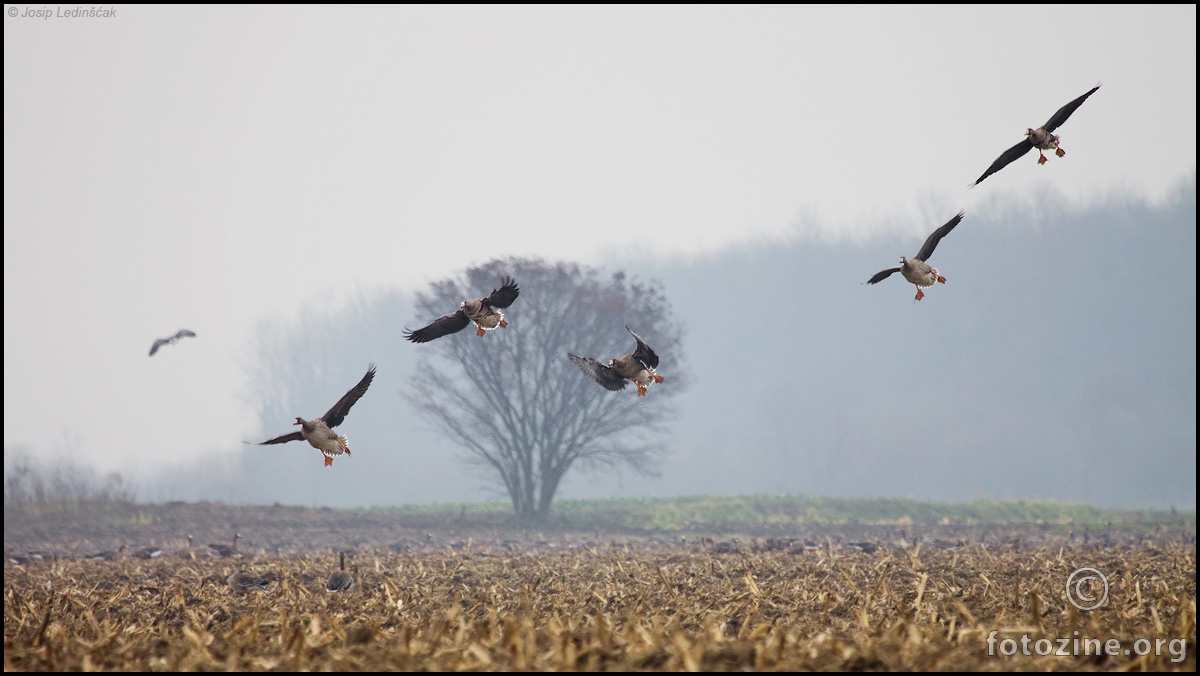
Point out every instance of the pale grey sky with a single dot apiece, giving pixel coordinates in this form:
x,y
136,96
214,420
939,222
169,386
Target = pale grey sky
x,y
212,168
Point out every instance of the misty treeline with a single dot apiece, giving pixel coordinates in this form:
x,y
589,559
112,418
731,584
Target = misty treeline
x,y
61,483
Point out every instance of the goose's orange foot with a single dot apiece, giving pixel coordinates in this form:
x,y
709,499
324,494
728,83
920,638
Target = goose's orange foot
x,y
480,332
1041,158
920,294
641,390
503,323
1060,152
658,378
941,279
328,460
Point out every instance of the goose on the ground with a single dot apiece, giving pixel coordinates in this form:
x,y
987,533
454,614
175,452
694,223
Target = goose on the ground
x,y
226,550
340,579
108,555
242,582
148,553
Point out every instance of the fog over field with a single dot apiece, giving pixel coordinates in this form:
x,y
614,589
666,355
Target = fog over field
x,y
1058,362
284,183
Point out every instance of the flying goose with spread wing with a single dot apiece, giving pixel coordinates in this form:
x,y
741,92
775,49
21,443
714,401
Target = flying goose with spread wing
x,y
485,312
1042,138
181,333
319,433
637,366
917,270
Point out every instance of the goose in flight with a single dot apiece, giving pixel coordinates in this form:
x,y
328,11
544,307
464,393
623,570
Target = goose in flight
x,y
485,312
917,270
182,333
1042,138
637,366
319,431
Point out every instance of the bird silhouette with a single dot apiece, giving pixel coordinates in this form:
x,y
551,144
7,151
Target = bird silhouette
x,y
181,333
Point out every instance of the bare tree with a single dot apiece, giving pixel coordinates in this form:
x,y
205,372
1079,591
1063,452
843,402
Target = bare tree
x,y
514,400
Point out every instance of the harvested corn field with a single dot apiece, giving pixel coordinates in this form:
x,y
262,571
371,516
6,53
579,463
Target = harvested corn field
x,y
765,605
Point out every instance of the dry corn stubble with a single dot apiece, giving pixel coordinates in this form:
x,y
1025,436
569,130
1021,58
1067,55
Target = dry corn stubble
x,y
603,608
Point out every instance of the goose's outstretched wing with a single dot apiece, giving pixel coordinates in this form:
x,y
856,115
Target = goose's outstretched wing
x,y
602,374
157,344
282,439
1057,119
442,326
882,275
937,235
184,333
334,416
643,353
1008,157
505,295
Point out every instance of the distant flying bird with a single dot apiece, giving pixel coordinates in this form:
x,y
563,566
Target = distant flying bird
x,y
637,366
485,312
918,270
182,333
242,582
319,432
1041,138
340,580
